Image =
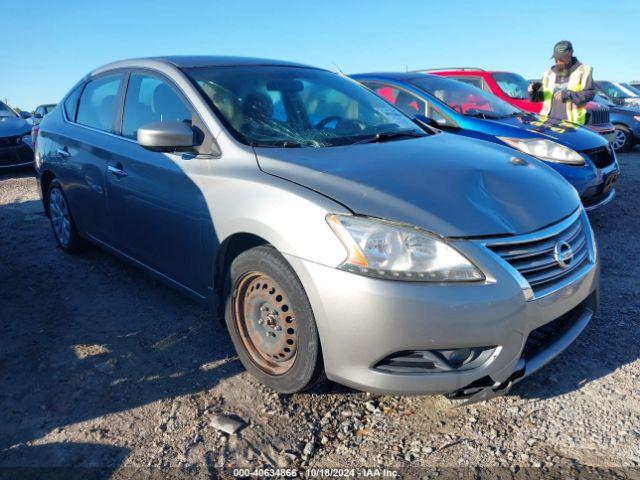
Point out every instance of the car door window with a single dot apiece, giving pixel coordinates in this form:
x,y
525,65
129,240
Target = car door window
x,y
97,104
150,99
408,103
437,116
412,106
71,104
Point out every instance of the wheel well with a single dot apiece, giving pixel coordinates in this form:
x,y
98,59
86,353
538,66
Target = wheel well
x,y
45,181
228,251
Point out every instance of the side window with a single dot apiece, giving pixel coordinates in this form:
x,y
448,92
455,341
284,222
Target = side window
x,y
71,103
408,103
150,99
436,115
98,102
475,81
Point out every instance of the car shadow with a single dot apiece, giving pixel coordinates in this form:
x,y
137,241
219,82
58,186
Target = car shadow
x,y
85,336
63,461
610,340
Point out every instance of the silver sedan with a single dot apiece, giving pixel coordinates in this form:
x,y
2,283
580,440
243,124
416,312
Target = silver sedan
x,y
336,236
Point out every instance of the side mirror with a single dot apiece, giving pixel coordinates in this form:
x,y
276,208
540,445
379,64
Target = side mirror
x,y
37,116
24,114
424,121
165,136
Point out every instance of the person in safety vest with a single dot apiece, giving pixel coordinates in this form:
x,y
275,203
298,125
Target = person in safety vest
x,y
566,87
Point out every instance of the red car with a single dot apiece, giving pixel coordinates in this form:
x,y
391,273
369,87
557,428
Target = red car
x,y
513,88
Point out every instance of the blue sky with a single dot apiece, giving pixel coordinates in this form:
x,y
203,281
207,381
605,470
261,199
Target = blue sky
x,y
46,46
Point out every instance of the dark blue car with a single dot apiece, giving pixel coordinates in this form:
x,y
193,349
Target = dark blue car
x,y
584,158
15,139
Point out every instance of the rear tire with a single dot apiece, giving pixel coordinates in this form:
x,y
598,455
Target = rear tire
x,y
271,323
64,228
623,139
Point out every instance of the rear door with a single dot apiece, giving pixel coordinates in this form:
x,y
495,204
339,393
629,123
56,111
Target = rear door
x,y
82,150
157,209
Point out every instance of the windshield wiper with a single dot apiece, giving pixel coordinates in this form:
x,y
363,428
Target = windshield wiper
x,y
513,114
285,144
483,115
386,136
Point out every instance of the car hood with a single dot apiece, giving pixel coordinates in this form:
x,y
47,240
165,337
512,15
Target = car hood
x,y
526,105
12,126
573,136
446,184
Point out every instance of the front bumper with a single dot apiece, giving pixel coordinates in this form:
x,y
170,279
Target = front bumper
x,y
363,320
606,130
533,359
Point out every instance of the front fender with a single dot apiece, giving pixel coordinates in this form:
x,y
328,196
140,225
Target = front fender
x,y
286,215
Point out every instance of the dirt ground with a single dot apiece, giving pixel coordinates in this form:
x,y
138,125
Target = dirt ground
x,y
107,373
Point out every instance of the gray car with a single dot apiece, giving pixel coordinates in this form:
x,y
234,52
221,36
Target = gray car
x,y
626,120
335,235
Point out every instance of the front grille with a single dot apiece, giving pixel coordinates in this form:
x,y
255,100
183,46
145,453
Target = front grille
x,y
10,141
539,260
601,157
598,116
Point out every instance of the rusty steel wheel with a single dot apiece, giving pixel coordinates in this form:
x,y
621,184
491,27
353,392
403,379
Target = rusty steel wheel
x,y
270,321
266,322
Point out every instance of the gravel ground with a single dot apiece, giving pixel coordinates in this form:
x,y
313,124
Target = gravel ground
x,y
102,366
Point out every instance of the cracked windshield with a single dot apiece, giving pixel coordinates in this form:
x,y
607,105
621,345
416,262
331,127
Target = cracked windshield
x,y
299,107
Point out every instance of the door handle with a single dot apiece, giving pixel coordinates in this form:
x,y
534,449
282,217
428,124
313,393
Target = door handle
x,y
63,152
117,171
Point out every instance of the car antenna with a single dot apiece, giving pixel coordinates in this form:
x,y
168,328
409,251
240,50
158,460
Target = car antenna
x,y
339,69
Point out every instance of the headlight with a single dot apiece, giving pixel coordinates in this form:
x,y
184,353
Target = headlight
x,y
384,250
636,118
545,150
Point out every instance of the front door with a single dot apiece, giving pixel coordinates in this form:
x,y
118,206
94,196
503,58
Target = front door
x,y
156,205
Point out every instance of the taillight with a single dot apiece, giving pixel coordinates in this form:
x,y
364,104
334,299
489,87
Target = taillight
x,y
34,135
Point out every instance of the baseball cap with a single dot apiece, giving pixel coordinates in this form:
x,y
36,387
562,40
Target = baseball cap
x,y
562,48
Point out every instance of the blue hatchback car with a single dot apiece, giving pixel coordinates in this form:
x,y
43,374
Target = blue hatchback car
x,y
584,158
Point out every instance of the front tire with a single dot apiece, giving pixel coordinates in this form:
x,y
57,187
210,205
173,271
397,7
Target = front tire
x,y
623,139
271,323
64,228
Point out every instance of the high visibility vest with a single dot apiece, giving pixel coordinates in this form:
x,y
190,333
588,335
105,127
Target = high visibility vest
x,y
577,82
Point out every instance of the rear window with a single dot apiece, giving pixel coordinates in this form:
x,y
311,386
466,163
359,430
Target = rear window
x,y
512,84
97,104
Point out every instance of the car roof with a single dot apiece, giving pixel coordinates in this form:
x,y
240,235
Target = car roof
x,y
223,61
165,63
195,61
398,76
462,71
